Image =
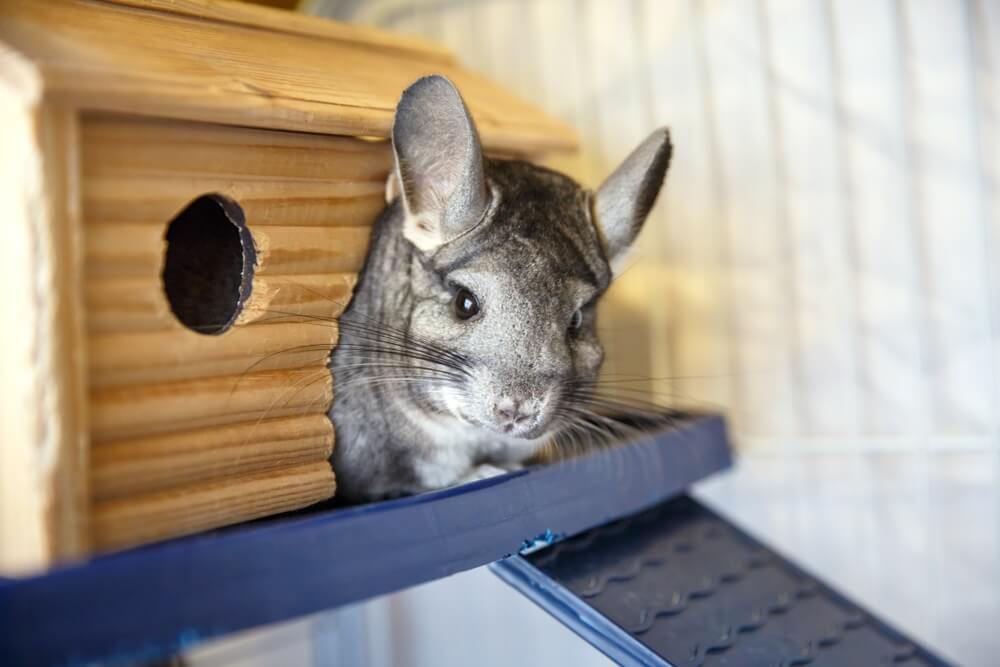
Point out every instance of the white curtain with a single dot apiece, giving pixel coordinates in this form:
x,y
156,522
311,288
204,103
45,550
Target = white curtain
x,y
821,263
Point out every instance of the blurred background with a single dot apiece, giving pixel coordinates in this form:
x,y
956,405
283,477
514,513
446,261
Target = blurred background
x,y
822,265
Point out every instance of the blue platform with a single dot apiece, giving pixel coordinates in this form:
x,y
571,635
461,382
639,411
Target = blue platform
x,y
151,601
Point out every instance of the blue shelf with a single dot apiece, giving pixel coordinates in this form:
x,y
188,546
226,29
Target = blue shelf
x,y
155,600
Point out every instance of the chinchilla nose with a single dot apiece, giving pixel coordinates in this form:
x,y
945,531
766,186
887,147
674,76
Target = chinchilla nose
x,y
510,410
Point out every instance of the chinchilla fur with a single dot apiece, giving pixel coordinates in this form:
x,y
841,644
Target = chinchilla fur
x,y
471,339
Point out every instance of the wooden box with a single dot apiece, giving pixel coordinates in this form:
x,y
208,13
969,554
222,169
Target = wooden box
x,y
186,192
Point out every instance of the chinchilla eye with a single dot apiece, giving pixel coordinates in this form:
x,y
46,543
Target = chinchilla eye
x,y
576,321
465,304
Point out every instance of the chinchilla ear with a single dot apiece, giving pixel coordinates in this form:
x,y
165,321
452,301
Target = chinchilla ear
x,y
439,164
623,201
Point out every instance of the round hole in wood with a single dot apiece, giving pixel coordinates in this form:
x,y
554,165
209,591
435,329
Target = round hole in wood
x,y
208,269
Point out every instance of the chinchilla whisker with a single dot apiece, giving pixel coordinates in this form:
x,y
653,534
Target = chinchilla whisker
x,y
289,394
610,422
390,381
624,401
253,366
379,330
402,353
313,347
374,326
591,390
386,343
617,409
636,393
394,378
353,369
576,437
384,333
383,346
585,428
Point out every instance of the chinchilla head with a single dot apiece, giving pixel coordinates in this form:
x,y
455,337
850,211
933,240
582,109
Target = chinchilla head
x,y
510,260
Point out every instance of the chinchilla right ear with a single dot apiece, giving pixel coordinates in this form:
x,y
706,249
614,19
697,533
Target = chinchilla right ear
x,y
625,198
439,164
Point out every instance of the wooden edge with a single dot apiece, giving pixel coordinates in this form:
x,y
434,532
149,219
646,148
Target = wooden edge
x,y
292,23
43,446
276,87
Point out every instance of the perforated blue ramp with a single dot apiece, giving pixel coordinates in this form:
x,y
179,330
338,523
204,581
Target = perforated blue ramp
x,y
680,586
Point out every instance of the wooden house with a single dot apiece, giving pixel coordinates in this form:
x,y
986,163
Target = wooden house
x,y
185,186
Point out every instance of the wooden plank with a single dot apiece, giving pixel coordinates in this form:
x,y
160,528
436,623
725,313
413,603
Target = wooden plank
x,y
155,200
205,505
240,13
154,463
159,356
155,63
310,250
141,170
131,412
134,250
298,298
119,305
116,146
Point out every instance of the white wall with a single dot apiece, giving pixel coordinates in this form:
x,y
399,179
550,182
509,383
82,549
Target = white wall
x,y
821,263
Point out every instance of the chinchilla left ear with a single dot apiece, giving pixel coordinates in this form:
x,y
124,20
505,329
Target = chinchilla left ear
x,y
439,164
624,200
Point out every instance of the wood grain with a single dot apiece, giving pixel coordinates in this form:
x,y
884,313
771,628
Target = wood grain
x,y
142,60
133,250
205,505
298,298
117,146
155,200
157,356
164,407
119,305
154,463
240,13
141,170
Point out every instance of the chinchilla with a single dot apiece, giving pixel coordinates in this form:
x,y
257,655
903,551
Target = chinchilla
x,y
471,339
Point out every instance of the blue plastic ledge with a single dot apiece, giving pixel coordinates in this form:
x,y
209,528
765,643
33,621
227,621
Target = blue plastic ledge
x,y
679,586
155,600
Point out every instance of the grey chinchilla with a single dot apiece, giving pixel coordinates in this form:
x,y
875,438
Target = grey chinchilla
x,y
471,340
